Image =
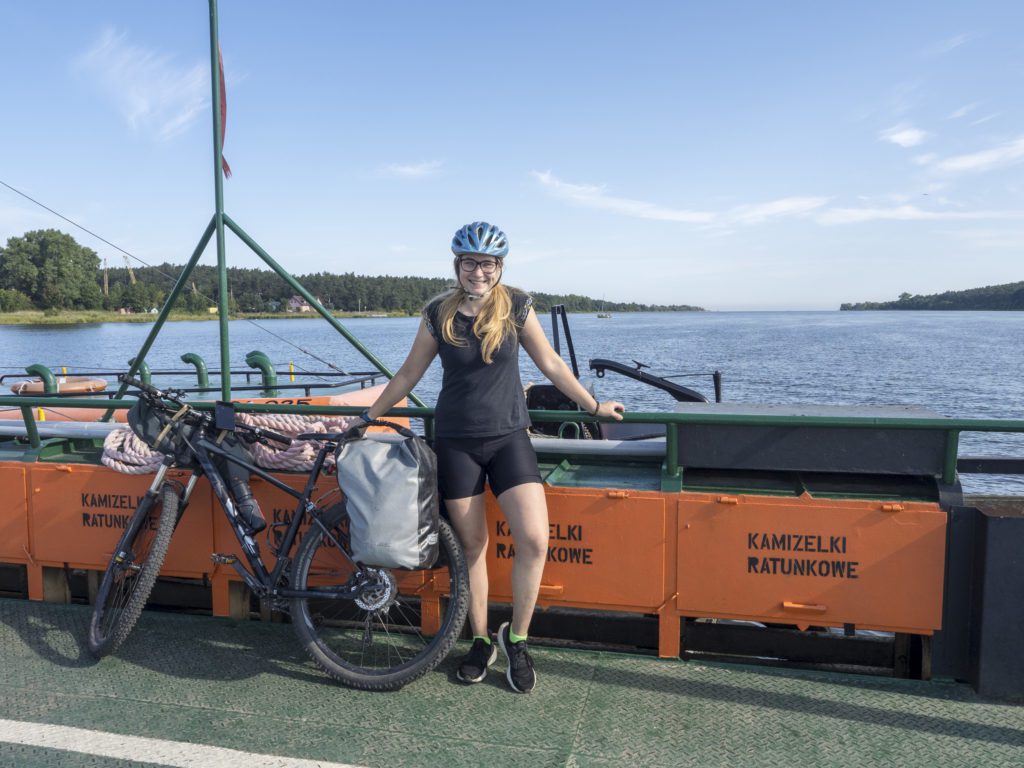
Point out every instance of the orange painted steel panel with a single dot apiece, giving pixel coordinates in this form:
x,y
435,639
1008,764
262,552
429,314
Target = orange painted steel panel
x,y
601,551
78,512
805,561
13,515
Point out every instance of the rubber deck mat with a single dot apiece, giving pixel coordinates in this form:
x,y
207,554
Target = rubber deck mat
x,y
193,690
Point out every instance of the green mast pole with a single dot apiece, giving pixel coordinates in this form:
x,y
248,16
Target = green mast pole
x,y
218,217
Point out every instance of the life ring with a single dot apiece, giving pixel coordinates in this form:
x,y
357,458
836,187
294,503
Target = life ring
x,y
68,384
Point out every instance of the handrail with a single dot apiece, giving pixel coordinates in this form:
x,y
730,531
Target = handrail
x,y
953,427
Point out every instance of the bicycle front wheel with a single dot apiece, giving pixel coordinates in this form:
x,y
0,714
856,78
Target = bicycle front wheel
x,y
132,571
377,641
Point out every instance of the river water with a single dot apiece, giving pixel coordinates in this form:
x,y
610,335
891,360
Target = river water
x,y
960,364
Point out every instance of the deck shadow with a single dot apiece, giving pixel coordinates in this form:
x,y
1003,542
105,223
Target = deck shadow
x,y
797,703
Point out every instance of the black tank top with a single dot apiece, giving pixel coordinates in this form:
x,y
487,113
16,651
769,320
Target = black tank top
x,y
478,399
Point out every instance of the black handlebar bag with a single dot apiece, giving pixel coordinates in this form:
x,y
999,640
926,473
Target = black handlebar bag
x,y
390,490
157,427
161,431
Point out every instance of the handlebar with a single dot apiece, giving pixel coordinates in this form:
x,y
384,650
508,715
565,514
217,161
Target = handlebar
x,y
260,433
176,396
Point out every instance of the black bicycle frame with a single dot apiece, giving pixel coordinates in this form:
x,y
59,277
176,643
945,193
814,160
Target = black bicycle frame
x,y
262,581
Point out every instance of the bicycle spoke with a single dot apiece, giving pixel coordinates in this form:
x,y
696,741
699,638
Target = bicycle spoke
x,y
375,639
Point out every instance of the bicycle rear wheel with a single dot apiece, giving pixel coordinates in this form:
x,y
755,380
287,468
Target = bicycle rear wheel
x,y
133,569
376,641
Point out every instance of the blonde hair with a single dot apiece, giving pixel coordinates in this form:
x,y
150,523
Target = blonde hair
x,y
493,324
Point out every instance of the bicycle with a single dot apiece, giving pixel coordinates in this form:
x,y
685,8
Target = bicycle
x,y
364,626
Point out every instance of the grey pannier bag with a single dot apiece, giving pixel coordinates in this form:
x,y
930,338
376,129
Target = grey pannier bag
x,y
390,490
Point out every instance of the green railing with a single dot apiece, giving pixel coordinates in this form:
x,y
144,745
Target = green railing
x,y
673,423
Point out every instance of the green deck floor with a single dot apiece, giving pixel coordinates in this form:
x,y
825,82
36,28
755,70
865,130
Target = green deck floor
x,y
247,686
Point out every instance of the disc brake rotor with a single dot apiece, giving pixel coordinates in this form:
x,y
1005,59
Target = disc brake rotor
x,y
379,591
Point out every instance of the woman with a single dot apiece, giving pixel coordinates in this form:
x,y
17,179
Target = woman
x,y
480,433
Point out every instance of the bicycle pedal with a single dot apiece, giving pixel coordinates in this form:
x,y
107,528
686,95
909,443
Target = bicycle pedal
x,y
219,559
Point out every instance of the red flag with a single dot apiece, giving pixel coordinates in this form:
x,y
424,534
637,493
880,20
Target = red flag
x,y
223,114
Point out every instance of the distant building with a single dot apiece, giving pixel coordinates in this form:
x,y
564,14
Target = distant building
x,y
212,310
299,304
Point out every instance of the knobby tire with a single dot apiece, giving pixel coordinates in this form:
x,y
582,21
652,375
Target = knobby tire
x,y
131,574
378,650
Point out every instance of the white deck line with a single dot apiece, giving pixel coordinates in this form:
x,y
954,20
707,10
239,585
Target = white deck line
x,y
178,754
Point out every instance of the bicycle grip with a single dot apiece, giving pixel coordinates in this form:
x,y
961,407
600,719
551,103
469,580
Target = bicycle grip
x,y
148,389
131,381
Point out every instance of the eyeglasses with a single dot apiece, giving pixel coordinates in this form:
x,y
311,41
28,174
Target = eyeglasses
x,y
470,265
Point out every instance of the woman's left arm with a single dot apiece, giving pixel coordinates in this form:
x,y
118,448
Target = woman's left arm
x,y
532,337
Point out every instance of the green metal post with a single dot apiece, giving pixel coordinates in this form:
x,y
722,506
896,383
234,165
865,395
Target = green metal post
x,y
30,426
193,359
256,359
164,311
144,374
949,464
218,217
671,473
47,377
299,289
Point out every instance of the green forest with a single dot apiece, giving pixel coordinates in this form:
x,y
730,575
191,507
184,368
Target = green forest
x,y
48,270
1008,296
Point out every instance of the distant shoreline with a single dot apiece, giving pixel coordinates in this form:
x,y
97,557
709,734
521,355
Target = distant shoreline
x,y
991,298
91,316
84,317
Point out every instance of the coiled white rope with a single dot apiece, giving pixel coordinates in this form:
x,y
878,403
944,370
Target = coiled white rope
x,y
125,452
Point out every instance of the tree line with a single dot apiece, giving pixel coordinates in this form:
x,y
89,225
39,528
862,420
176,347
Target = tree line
x,y
1008,296
49,270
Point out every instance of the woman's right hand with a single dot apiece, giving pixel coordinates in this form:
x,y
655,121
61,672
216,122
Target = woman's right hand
x,y
350,422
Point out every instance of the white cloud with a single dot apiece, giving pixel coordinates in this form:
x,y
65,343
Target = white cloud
x,y
903,135
149,91
909,213
986,118
949,44
591,196
594,196
415,171
925,159
1005,154
787,206
957,114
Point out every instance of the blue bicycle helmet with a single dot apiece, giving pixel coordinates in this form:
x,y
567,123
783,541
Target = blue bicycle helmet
x,y
480,238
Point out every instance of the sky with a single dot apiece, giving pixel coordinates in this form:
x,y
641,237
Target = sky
x,y
732,155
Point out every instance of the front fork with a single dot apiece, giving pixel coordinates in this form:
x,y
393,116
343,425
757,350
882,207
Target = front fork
x,y
185,492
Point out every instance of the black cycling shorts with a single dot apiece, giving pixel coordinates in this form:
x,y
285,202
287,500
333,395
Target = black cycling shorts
x,y
505,461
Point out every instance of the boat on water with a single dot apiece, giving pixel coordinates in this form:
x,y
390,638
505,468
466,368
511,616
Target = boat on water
x,y
805,533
